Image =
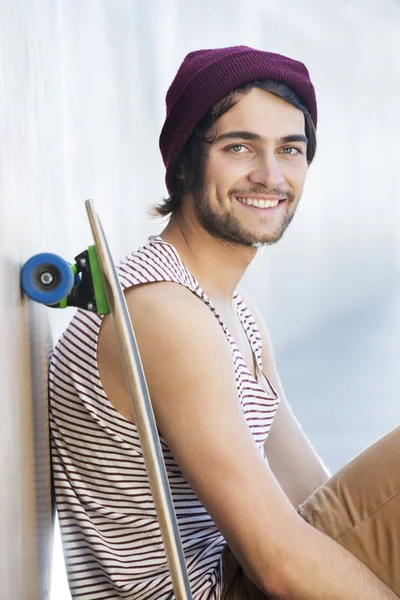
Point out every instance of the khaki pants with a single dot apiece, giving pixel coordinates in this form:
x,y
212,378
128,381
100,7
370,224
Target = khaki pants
x,y
359,507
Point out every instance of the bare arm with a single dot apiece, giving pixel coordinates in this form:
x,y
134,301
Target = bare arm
x,y
191,379
291,457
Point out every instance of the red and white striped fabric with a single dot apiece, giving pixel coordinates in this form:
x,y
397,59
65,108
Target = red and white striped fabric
x,y
111,538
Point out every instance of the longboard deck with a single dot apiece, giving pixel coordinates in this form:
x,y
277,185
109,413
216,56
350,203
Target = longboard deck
x,y
141,409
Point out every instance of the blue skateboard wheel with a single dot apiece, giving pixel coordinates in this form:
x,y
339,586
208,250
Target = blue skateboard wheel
x,y
47,278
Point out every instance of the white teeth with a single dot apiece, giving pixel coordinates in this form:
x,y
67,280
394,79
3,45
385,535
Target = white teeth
x,y
258,203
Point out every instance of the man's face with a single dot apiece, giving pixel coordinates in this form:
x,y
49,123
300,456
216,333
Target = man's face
x,y
254,171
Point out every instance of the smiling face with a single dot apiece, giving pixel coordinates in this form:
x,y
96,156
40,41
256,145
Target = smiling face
x,y
254,171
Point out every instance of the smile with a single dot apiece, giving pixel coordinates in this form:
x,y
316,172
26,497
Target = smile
x,y
259,203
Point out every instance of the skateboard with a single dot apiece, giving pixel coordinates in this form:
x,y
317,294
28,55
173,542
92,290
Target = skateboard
x,y
91,283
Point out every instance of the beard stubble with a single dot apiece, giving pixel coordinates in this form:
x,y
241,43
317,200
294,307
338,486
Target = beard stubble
x,y
225,226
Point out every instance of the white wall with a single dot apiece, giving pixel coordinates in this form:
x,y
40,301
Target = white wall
x,y
82,102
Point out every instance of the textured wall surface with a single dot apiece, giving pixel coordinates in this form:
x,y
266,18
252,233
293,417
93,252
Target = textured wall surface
x,y
81,107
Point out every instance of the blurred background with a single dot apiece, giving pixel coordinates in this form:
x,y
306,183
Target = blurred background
x,y
82,103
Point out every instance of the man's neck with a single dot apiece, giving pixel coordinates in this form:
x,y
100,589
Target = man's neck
x,y
218,266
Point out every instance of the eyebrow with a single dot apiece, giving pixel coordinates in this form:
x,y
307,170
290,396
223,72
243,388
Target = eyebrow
x,y
255,137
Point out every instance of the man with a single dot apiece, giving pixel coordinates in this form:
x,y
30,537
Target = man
x,y
237,142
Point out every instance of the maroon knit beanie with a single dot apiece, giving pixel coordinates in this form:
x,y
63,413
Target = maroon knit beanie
x,y
205,76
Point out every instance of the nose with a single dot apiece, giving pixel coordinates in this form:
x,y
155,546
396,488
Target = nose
x,y
267,171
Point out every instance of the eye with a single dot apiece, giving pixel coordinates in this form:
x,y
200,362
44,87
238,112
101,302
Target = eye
x,y
236,148
290,152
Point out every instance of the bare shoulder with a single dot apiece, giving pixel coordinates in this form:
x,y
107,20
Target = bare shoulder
x,y
174,330
173,315
162,299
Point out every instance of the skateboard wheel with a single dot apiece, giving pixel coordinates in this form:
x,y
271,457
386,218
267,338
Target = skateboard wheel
x,y
47,278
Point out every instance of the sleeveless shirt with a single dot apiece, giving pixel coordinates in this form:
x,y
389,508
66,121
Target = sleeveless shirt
x,y
111,538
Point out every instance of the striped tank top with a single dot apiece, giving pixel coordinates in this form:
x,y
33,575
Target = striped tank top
x,y
111,538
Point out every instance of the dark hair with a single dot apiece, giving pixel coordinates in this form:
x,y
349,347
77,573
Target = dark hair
x,y
188,171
